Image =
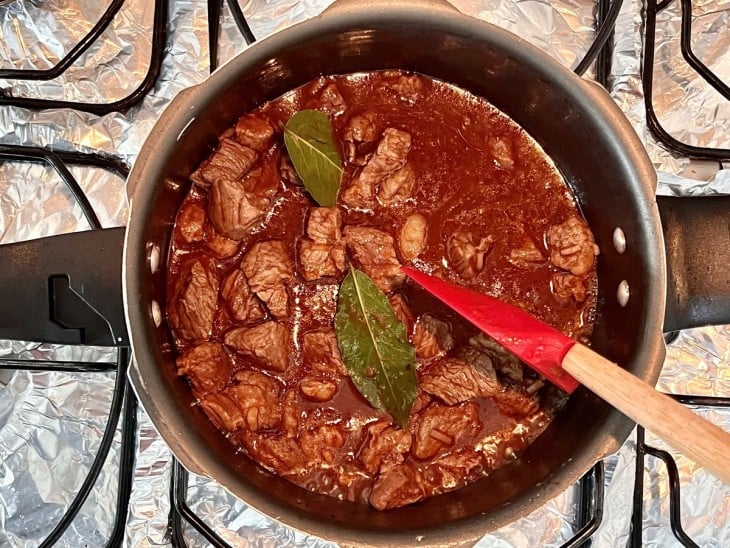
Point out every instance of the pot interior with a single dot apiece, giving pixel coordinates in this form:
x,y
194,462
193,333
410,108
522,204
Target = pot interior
x,y
589,148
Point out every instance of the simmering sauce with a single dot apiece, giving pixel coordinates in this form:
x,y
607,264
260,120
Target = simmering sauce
x,y
433,177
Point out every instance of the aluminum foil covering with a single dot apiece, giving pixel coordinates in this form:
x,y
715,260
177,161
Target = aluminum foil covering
x,y
686,105
116,63
51,423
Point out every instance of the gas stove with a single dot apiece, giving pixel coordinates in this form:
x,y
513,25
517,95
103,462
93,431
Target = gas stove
x,y
81,85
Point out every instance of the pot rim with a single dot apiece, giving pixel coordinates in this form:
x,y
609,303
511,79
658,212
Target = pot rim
x,y
193,101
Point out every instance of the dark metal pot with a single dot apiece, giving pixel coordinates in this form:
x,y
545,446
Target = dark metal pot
x,y
577,124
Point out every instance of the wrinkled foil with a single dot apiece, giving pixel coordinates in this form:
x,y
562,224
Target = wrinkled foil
x,y
51,423
686,106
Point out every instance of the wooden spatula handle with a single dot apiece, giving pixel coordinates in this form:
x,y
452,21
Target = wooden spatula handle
x,y
698,439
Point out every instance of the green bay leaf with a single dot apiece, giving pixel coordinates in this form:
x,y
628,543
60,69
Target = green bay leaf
x,y
375,348
313,152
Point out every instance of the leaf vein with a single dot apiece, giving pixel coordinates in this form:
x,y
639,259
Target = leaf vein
x,y
372,337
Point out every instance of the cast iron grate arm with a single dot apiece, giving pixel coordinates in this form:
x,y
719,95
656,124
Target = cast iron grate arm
x,y
647,78
159,38
643,449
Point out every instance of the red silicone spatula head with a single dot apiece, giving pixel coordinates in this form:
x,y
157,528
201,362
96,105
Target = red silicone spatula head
x,y
533,341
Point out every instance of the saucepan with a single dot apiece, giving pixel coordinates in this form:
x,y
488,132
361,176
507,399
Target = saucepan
x,y
645,288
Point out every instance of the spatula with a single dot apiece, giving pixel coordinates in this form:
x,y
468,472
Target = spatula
x,y
567,363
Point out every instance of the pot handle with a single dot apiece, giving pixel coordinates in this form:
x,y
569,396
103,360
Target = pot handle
x,y
341,6
697,241
64,289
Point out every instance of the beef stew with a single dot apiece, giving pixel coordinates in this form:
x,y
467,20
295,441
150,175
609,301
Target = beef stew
x,y
433,177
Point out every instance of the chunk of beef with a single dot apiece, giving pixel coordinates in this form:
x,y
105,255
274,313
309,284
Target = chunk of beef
x,y
268,267
398,187
526,256
413,236
195,298
223,411
517,404
244,305
317,389
402,311
268,342
206,366
279,454
399,486
254,131
503,360
389,157
221,246
324,225
408,87
440,427
572,247
330,99
390,154
323,254
264,182
431,337
566,286
233,210
360,129
323,94
321,260
321,444
257,395
230,161
454,470
190,222
385,447
464,463
320,351
423,400
502,153
374,252
359,193
455,380
468,253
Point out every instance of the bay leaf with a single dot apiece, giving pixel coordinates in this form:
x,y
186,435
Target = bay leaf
x,y
375,348
313,152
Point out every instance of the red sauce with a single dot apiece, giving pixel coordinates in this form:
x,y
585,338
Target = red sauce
x,y
466,180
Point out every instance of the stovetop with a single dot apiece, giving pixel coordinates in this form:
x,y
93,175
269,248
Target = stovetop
x,y
84,83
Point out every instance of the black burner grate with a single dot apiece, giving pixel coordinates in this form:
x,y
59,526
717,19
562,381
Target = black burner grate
x,y
159,36
642,450
76,52
123,399
180,510
124,403
647,77
652,8
214,17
